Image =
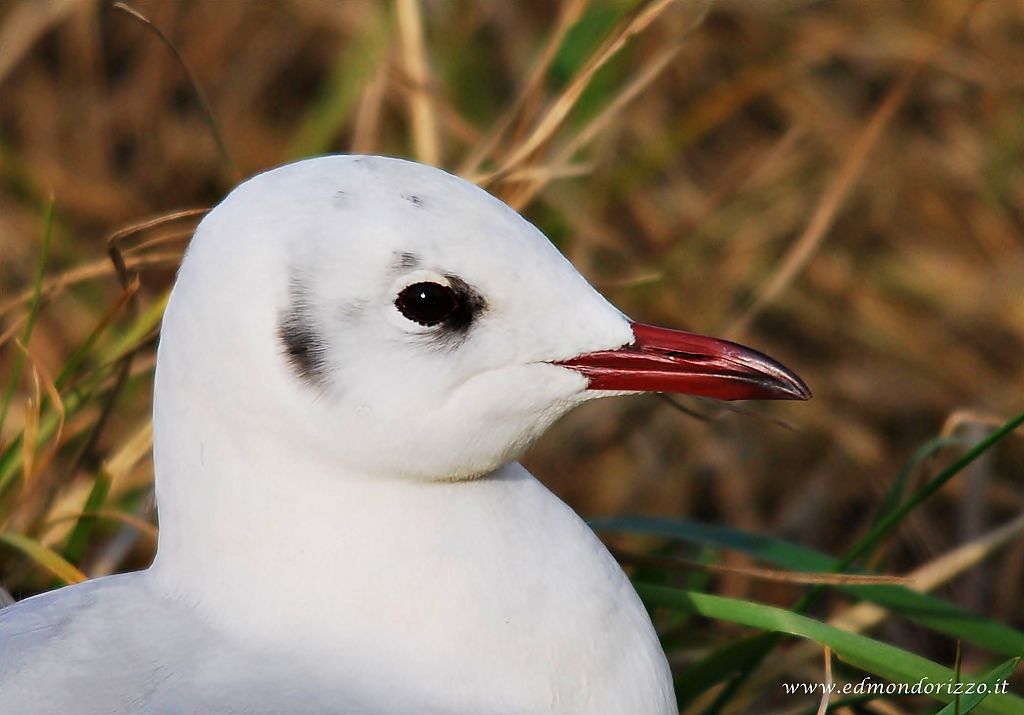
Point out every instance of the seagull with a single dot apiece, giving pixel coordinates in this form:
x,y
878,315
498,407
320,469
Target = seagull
x,y
355,352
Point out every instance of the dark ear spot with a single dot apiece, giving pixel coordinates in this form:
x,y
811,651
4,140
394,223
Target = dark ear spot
x,y
304,345
414,199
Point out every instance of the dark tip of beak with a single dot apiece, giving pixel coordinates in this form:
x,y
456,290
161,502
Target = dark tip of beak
x,y
664,360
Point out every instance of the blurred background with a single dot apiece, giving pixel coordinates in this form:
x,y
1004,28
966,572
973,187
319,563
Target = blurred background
x,y
839,184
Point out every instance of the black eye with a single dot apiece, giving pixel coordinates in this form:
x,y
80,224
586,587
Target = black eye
x,y
427,303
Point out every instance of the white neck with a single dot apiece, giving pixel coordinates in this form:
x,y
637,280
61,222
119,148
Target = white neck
x,y
484,583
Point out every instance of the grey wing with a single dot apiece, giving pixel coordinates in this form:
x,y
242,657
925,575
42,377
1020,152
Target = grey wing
x,y
68,651
109,647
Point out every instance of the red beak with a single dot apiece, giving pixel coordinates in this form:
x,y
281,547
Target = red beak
x,y
663,360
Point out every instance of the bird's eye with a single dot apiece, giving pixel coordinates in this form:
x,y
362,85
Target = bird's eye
x,y
427,303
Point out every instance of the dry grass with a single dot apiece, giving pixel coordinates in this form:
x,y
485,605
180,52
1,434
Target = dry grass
x,y
840,184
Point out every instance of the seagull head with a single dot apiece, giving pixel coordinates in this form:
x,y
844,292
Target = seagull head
x,y
396,320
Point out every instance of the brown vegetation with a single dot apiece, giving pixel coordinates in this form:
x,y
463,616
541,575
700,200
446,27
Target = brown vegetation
x,y
840,184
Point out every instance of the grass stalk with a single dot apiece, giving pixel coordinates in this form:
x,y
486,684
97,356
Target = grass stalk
x,y
33,311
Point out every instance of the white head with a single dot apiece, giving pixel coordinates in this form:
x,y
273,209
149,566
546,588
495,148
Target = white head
x,y
385,319
384,313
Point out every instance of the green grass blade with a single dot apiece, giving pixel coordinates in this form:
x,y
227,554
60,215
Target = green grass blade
x,y
925,451
991,680
888,522
930,611
723,663
144,324
79,537
765,548
864,545
33,311
11,456
86,347
45,557
881,659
